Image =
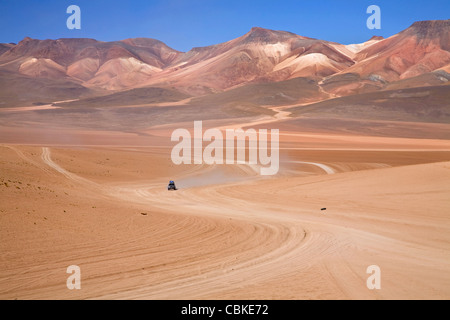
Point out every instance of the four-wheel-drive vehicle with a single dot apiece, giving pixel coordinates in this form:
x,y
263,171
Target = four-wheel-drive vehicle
x,y
171,186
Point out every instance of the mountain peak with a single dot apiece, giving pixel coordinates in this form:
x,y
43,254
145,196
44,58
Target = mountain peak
x,y
254,29
260,30
376,38
262,35
431,24
430,28
25,40
143,42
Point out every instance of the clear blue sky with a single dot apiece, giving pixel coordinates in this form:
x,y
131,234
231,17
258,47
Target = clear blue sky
x,y
183,24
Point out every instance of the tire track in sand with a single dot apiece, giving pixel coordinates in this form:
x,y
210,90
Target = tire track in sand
x,y
281,247
272,251
324,167
46,157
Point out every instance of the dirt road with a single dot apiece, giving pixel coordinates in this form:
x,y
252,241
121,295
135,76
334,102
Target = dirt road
x,y
245,239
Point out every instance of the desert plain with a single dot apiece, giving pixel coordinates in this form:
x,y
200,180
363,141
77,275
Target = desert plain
x,y
101,203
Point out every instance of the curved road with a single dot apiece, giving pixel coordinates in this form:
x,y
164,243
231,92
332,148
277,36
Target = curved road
x,y
279,244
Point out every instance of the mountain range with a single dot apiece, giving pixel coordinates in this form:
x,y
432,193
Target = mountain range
x,y
42,71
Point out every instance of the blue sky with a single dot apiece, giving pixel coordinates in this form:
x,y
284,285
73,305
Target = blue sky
x,y
183,24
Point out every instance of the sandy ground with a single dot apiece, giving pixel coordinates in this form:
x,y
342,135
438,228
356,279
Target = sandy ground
x,y
251,238
228,233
